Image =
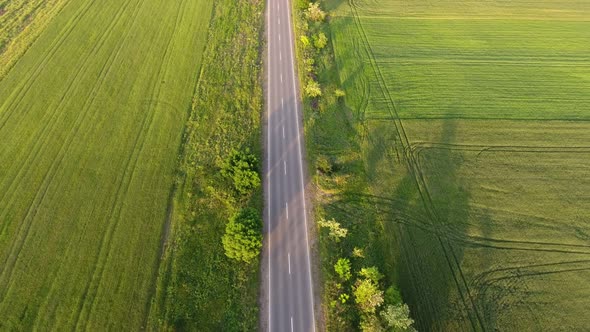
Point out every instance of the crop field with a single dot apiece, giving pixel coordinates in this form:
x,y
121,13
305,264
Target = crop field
x,y
475,122
91,120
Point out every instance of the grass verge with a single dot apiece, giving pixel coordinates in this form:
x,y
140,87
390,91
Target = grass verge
x,y
199,288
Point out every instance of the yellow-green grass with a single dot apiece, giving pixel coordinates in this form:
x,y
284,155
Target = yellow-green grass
x,y
474,130
91,119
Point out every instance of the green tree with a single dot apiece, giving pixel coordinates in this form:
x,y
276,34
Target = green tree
x,y
397,318
371,323
242,168
243,235
367,295
314,12
342,268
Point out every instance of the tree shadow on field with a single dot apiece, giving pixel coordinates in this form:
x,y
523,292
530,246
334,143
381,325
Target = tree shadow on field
x,y
424,232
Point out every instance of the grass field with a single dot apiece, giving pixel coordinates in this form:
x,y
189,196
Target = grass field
x,y
467,159
91,119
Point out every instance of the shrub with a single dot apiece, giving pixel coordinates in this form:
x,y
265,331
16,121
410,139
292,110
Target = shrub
x,y
367,295
339,93
342,268
312,89
242,168
314,13
320,40
397,317
324,165
336,231
243,236
371,273
305,41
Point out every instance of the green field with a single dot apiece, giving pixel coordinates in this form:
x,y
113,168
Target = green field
x,y
91,121
469,147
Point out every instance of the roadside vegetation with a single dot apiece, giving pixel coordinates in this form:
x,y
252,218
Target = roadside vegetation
x,y
356,295
450,140
209,276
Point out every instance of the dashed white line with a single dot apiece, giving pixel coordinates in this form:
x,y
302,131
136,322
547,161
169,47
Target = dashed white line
x,y
279,21
279,37
291,323
285,164
283,131
282,102
281,78
289,259
287,210
301,170
280,56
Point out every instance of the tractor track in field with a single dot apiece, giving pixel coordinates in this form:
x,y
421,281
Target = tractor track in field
x,y
26,224
104,73
114,216
413,169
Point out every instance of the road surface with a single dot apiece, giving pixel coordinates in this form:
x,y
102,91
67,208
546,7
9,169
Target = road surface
x,y
288,284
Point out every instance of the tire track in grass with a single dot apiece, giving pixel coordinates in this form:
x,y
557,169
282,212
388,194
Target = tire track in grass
x,y
93,286
40,142
26,224
104,72
8,107
413,169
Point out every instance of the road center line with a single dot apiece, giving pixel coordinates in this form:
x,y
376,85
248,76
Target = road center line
x,y
300,159
287,209
281,78
280,56
283,131
285,164
279,37
282,102
279,21
289,259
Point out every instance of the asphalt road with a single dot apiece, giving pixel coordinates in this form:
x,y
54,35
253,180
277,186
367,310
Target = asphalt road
x,y
288,284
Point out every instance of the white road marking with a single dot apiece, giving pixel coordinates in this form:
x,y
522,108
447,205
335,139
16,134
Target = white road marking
x,y
291,323
301,170
279,37
280,56
279,21
283,131
285,164
281,78
287,209
282,102
289,258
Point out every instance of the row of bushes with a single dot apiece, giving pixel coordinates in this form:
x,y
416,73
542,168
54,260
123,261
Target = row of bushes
x,y
356,295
